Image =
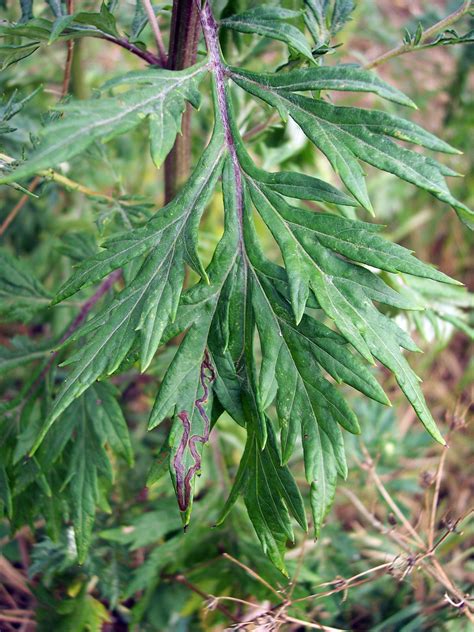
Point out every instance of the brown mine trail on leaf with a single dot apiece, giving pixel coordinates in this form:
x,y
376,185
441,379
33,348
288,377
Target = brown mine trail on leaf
x,y
183,479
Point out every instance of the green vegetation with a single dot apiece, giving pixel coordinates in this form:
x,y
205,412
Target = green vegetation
x,y
202,279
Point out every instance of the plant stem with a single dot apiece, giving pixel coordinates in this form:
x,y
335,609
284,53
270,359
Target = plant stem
x,y
103,288
156,30
210,30
70,54
19,205
181,579
434,505
150,58
78,87
439,27
67,183
184,37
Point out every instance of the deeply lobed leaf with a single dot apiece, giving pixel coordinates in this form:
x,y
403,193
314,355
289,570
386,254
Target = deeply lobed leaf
x,y
330,278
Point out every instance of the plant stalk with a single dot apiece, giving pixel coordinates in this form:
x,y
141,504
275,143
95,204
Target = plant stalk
x,y
184,38
439,27
156,30
210,30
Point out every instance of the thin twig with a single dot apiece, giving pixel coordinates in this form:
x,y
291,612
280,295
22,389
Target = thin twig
x,y
314,626
77,322
344,583
19,205
237,600
437,572
155,27
252,574
6,595
6,617
67,183
439,27
427,560
146,55
260,127
19,612
12,577
299,566
434,506
69,56
389,500
71,185
399,538
181,579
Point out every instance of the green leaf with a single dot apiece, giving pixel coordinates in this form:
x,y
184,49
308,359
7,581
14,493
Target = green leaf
x,y
450,37
143,308
294,185
160,466
349,78
357,241
26,10
22,295
82,614
61,23
258,337
13,53
6,506
87,461
33,29
140,20
147,528
346,135
345,292
325,18
55,6
185,390
110,423
103,21
270,495
445,303
306,402
159,96
22,351
96,421
269,22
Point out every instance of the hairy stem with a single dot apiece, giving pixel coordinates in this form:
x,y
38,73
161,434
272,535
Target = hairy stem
x,y
184,37
210,30
439,27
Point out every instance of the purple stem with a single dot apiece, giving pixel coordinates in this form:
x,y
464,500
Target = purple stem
x,y
103,288
181,489
210,30
77,322
183,480
146,55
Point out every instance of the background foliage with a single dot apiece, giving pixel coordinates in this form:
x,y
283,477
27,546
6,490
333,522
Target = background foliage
x,y
142,569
